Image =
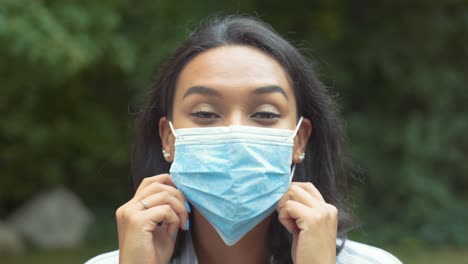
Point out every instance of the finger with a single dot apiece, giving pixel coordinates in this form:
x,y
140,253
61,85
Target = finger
x,y
163,183
162,198
310,188
306,217
157,187
284,198
163,178
162,214
298,194
288,223
291,214
294,210
286,220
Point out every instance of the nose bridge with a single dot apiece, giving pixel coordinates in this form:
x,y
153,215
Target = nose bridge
x,y
236,117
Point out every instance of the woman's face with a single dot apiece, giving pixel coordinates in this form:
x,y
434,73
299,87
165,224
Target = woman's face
x,y
233,85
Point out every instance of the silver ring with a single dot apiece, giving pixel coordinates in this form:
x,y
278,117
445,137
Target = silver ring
x,y
144,203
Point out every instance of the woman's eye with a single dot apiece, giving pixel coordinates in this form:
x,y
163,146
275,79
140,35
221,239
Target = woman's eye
x,y
204,114
266,115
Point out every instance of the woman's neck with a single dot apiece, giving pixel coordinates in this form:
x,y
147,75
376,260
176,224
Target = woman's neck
x,y
210,248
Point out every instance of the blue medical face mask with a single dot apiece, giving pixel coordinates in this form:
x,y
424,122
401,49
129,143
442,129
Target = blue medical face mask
x,y
234,176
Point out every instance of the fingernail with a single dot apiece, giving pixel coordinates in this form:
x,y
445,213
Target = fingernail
x,y
187,225
187,205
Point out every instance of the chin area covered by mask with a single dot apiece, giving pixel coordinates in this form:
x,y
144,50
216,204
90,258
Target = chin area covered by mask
x,y
234,176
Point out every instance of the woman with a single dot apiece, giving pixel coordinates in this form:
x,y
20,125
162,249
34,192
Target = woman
x,y
235,113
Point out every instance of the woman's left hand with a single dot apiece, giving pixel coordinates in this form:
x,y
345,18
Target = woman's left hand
x,y
312,222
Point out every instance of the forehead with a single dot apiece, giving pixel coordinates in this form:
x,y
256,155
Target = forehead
x,y
233,67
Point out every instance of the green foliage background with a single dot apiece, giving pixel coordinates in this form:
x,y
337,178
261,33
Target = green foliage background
x,y
73,74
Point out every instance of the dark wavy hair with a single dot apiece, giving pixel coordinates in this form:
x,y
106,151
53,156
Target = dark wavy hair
x,y
325,164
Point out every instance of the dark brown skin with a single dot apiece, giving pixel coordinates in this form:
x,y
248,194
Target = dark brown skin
x,y
236,78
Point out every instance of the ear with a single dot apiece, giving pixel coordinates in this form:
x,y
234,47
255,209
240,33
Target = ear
x,y
301,139
167,139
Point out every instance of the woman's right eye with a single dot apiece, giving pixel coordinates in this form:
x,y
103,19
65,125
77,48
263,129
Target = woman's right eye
x,y
204,114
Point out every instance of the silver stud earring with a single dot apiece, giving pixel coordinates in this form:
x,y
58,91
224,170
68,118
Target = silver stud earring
x,y
302,156
166,154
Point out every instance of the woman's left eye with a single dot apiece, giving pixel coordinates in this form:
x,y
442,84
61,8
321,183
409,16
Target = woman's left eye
x,y
266,115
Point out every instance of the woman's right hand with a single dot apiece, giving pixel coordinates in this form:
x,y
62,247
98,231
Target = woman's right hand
x,y
147,234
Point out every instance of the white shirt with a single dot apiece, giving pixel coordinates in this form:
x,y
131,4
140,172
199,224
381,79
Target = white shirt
x,y
352,253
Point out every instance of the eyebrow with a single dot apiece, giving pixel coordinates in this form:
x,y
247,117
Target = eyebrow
x,y
271,89
203,90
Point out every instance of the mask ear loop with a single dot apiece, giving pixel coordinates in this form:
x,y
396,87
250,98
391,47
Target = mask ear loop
x,y
172,128
293,136
299,123
292,173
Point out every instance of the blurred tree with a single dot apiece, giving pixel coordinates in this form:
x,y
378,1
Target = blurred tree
x,y
64,94
406,108
74,73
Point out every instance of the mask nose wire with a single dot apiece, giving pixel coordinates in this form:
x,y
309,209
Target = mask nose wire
x,y
172,128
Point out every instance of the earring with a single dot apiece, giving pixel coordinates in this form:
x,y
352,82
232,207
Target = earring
x,y
302,156
166,154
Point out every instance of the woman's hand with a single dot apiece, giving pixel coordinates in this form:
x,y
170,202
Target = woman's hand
x,y
148,223
312,222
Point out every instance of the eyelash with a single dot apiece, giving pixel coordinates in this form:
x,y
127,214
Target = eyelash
x,y
266,115
204,114
263,115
